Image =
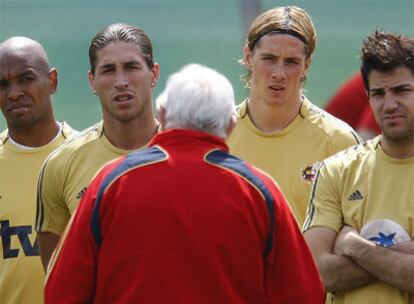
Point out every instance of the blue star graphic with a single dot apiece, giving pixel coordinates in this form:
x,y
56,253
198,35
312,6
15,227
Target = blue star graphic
x,y
384,240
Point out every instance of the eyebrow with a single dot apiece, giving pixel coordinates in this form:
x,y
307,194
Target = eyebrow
x,y
21,73
274,56
111,64
133,62
402,86
28,71
105,66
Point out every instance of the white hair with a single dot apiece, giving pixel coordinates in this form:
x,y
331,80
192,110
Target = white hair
x,y
198,98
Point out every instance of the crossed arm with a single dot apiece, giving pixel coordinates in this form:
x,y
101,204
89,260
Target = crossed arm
x,y
346,260
394,266
338,272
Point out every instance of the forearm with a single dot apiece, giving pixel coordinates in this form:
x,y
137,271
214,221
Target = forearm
x,y
390,266
340,273
47,244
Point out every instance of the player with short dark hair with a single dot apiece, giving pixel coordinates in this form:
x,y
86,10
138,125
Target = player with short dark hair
x,y
360,218
27,83
122,74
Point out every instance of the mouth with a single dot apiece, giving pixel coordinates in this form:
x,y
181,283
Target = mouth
x,y
277,88
18,109
392,118
123,97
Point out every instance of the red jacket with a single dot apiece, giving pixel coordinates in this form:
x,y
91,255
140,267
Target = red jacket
x,y
351,104
183,222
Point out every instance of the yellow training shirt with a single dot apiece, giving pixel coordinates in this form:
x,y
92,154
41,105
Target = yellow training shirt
x,y
21,272
289,155
366,189
67,173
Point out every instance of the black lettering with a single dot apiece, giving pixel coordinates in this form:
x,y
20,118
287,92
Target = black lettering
x,y
22,232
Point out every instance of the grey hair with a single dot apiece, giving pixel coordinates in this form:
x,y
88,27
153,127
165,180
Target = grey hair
x,y
198,98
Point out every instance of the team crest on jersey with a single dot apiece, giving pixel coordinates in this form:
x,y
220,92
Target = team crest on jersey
x,y
308,172
384,232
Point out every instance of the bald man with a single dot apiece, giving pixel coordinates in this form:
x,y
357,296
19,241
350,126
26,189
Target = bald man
x,y
26,86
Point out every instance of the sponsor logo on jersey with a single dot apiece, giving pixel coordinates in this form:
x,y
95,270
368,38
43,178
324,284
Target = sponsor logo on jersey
x,y
385,232
22,233
81,193
308,172
355,196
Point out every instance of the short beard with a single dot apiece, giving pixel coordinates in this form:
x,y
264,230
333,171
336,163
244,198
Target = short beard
x,y
402,137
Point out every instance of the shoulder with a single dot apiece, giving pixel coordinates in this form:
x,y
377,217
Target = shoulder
x,y
125,164
67,131
74,145
247,172
330,126
352,157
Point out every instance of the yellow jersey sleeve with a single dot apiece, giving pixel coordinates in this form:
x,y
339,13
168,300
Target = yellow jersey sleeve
x,y
325,202
53,213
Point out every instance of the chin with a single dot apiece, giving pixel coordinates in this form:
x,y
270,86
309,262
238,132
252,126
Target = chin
x,y
399,135
276,100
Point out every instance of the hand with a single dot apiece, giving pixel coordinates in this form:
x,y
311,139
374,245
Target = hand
x,y
406,247
343,239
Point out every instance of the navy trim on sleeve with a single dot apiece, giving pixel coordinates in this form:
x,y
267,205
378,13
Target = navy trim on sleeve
x,y
132,161
223,159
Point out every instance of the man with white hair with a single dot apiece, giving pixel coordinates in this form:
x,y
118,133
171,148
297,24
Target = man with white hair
x,y
182,221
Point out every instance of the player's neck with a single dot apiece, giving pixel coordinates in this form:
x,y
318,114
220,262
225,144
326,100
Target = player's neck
x,y
36,135
131,135
398,150
271,118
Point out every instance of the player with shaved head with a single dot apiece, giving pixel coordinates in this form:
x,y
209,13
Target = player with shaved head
x,y
27,84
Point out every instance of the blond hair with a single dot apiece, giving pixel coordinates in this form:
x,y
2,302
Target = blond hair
x,y
285,19
291,20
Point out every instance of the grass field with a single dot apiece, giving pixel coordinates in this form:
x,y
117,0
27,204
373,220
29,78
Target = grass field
x,y
183,31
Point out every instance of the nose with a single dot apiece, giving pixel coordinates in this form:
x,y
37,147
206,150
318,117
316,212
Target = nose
x,y
278,72
121,81
14,92
390,102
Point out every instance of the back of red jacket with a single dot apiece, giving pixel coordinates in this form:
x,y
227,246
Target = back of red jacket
x,y
183,222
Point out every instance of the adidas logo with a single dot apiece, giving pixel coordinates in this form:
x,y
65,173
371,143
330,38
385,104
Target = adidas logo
x,y
356,195
81,193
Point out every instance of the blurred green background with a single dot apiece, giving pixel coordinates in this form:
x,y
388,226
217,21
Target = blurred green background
x,y
210,32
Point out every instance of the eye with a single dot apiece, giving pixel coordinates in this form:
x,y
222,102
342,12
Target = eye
x,y
27,79
3,84
292,62
133,67
377,93
105,71
268,58
403,90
